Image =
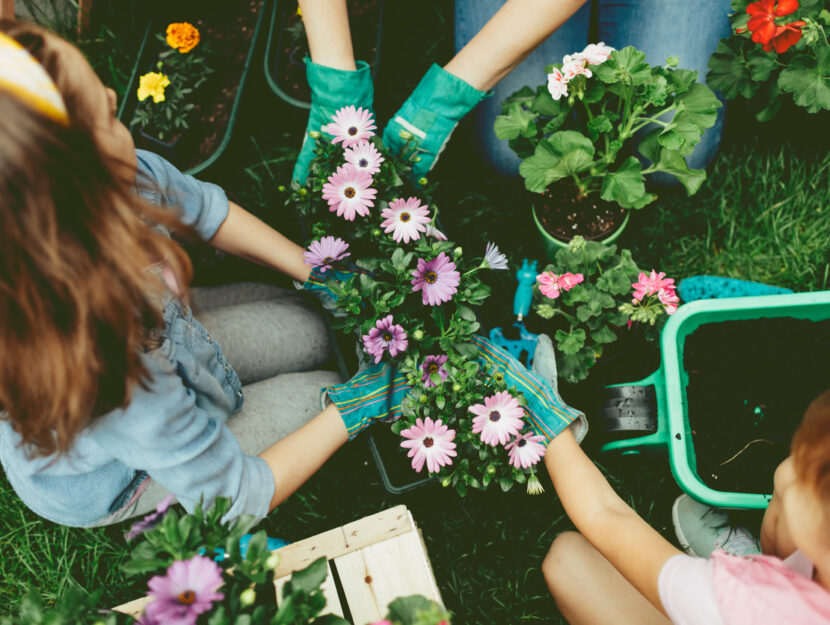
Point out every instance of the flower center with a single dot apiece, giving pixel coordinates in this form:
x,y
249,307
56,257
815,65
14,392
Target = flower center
x,y
495,416
404,217
349,192
387,337
362,163
352,130
187,597
428,441
431,277
328,260
433,368
521,443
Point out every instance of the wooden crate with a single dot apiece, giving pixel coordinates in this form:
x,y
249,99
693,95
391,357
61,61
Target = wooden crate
x,y
371,562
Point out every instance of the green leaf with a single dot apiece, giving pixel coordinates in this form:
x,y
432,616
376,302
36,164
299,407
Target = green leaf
x,y
410,609
627,66
808,79
680,135
466,313
673,163
524,95
600,124
728,73
626,185
604,335
311,577
698,107
330,619
544,104
566,141
762,65
505,483
570,342
517,121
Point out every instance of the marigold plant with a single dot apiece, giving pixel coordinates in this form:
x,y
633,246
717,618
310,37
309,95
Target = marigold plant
x,y
182,36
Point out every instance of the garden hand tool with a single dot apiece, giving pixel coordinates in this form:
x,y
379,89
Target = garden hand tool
x,y
711,287
430,115
271,544
331,89
524,347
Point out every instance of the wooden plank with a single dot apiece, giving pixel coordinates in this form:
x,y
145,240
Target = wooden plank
x,y
375,575
134,607
7,9
329,591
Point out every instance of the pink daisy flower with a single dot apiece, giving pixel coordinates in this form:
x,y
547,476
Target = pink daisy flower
x,y
435,233
385,336
188,590
348,191
429,442
526,450
557,84
405,219
569,280
497,419
351,126
651,284
364,156
493,258
437,280
433,364
325,252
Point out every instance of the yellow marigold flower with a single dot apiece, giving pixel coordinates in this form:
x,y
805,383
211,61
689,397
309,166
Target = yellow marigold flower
x,y
182,36
152,84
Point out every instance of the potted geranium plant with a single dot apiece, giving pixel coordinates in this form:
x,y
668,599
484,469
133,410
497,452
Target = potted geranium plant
x,y
778,47
579,134
593,296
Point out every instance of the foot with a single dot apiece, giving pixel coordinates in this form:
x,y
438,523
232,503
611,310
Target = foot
x,y
701,529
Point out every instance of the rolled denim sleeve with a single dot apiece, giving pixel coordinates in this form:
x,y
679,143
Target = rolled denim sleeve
x,y
202,205
180,445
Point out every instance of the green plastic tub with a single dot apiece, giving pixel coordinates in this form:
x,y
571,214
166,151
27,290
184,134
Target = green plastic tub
x,y
671,433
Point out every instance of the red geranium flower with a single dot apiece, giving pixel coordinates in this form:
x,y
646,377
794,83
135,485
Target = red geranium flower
x,y
786,36
762,16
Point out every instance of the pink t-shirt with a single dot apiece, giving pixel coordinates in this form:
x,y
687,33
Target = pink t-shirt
x,y
687,589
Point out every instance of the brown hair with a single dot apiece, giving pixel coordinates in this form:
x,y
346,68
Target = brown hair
x,y
77,292
811,447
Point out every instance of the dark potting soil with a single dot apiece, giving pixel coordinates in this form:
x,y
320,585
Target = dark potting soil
x,y
564,214
364,21
227,29
749,385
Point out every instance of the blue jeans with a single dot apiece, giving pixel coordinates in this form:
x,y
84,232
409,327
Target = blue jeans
x,y
688,29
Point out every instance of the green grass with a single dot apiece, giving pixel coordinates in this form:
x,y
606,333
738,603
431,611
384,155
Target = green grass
x,y
763,214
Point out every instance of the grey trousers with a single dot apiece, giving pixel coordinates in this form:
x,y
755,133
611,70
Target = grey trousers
x,y
275,340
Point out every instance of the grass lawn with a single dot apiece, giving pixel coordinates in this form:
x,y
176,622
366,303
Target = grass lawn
x,y
763,214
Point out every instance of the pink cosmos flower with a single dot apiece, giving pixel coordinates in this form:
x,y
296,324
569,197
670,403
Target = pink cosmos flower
x,y
437,280
151,520
569,280
385,336
351,126
364,156
497,419
325,252
596,53
188,590
526,450
433,364
552,285
557,84
651,284
405,219
435,233
348,191
429,442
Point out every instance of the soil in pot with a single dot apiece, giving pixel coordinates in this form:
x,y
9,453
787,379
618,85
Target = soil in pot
x,y
364,21
227,28
749,385
565,215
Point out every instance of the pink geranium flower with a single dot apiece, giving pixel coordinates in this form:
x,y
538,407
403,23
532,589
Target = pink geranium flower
x,y
497,419
569,280
552,285
669,299
364,156
351,126
405,219
526,450
437,280
385,336
433,364
429,442
325,252
649,284
574,65
557,84
188,590
348,191
596,53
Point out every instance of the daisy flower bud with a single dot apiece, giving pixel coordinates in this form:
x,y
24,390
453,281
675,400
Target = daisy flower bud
x,y
423,399
247,597
456,387
422,181
418,334
405,135
314,134
273,560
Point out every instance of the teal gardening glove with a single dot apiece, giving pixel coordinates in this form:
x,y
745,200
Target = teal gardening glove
x,y
331,89
430,115
316,284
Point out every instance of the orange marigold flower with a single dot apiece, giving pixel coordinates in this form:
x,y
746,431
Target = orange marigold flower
x,y
182,36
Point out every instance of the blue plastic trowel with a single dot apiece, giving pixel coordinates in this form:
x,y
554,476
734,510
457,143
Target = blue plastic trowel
x,y
524,347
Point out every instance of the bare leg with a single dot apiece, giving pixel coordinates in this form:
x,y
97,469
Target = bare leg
x,y
576,574
327,28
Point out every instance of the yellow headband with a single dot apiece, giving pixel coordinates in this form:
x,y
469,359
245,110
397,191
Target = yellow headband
x,y
24,77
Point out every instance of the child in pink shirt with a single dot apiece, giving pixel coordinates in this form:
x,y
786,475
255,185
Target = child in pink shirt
x,y
619,570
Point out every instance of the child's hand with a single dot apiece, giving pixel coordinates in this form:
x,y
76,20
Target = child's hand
x,y
316,284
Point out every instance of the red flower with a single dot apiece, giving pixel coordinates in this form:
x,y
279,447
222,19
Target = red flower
x,y
785,37
762,16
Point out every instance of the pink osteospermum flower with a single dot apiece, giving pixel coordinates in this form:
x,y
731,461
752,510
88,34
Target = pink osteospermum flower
x,y
364,156
151,520
649,284
429,442
385,336
557,84
435,233
525,450
493,258
348,192
437,280
351,126
569,280
497,419
325,252
188,590
433,364
405,219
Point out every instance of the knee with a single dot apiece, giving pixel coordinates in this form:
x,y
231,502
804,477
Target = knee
x,y
558,566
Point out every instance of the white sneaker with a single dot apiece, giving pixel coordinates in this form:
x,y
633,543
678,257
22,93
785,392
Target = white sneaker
x,y
701,529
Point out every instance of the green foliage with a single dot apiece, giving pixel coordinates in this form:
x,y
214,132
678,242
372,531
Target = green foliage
x,y
586,137
73,607
741,67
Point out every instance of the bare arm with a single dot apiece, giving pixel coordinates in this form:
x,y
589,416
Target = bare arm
x,y
506,40
775,536
327,28
630,544
246,236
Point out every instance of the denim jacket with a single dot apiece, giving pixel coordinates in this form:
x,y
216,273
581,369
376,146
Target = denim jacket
x,y
174,430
